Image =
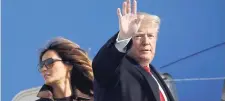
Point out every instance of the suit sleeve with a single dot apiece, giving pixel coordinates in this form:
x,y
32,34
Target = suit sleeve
x,y
106,62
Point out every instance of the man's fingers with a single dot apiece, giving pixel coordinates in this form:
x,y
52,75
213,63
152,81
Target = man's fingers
x,y
128,6
124,8
119,13
134,7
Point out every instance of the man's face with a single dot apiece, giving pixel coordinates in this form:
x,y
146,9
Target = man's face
x,y
144,44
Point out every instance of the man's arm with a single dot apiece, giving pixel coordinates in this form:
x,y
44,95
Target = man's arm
x,y
121,43
110,55
107,60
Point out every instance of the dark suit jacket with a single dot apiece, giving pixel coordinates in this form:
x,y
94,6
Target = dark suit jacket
x,y
119,77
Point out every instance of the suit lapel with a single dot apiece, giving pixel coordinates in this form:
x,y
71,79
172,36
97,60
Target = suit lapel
x,y
149,79
151,82
162,83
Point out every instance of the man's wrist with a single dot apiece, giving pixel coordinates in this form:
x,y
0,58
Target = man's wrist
x,y
122,36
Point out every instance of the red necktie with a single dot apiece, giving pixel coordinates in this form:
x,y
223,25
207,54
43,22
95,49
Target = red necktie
x,y
160,92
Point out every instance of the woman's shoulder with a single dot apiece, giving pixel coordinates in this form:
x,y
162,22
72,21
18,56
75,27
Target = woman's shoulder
x,y
44,99
80,96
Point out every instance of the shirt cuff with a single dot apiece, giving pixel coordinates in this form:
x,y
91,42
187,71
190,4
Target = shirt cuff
x,y
121,44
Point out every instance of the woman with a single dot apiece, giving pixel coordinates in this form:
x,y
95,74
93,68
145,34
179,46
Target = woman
x,y
67,72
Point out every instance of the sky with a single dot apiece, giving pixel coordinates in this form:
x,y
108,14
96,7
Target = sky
x,y
187,26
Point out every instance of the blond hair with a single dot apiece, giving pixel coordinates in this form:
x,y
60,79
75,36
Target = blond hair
x,y
149,20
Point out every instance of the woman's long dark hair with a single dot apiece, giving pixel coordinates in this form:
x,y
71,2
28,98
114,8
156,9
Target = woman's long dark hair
x,y
81,74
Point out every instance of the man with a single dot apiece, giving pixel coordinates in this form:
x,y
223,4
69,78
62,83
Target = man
x,y
122,67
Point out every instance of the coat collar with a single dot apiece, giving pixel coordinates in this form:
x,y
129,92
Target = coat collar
x,y
150,80
47,92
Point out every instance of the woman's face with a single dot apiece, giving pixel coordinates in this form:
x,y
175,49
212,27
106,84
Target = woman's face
x,y
53,69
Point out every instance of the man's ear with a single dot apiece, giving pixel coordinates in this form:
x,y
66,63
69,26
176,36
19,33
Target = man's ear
x,y
129,53
129,45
